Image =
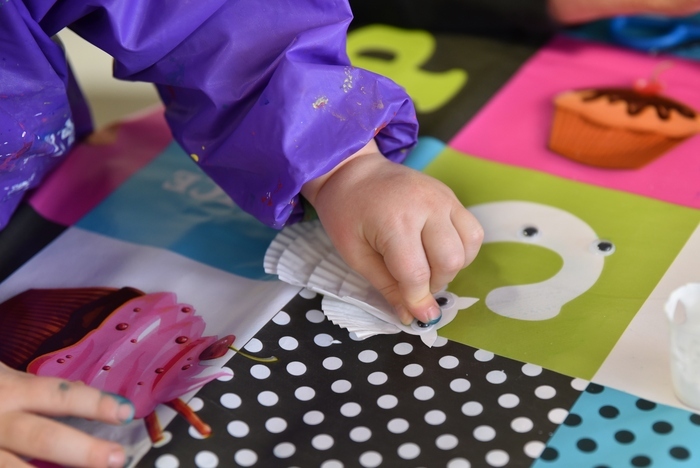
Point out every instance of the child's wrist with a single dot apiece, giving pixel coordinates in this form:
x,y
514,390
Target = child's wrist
x,y
311,189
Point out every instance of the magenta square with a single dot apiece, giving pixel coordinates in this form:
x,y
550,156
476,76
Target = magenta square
x,y
513,128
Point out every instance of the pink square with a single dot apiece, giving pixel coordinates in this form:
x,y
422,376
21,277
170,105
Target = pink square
x,y
514,126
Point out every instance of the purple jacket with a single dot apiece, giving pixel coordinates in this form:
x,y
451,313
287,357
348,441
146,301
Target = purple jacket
x,y
260,93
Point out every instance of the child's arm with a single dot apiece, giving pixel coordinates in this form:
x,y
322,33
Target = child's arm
x,y
28,402
405,232
261,95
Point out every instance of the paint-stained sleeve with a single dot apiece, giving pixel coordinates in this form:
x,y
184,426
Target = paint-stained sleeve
x,y
260,93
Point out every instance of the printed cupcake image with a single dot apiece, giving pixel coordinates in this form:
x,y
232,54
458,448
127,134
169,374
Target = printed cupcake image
x,y
148,348
619,128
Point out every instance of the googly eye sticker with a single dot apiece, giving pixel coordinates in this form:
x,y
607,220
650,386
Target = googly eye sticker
x,y
602,247
529,233
444,299
420,326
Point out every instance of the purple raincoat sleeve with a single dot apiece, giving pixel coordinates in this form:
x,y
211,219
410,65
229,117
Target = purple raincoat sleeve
x,y
260,93
42,112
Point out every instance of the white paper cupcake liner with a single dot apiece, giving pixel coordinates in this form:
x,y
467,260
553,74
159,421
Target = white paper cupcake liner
x,y
303,255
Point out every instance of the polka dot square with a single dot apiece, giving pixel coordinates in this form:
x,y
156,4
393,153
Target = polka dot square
x,y
331,401
607,428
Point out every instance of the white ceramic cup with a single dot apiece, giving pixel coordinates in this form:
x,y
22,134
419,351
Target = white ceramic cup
x,y
683,312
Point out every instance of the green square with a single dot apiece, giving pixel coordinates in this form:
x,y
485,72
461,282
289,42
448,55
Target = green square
x,y
647,234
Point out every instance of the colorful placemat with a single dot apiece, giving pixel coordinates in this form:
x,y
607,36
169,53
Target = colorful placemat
x,y
503,387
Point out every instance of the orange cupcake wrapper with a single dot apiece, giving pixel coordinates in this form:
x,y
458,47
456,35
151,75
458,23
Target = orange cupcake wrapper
x,y
586,142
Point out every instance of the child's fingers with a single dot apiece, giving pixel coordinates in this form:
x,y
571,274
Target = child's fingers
x,y
445,252
370,265
470,231
34,436
57,397
8,460
407,263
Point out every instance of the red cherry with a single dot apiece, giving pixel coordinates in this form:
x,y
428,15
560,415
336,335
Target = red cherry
x,y
650,87
217,349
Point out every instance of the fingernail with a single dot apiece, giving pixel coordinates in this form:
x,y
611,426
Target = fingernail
x,y
434,314
125,411
117,459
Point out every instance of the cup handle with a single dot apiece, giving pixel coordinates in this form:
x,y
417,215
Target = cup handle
x,y
681,301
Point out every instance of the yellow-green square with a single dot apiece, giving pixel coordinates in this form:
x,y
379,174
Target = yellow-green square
x,y
647,233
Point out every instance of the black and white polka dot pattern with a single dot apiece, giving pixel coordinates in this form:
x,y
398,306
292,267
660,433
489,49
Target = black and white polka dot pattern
x,y
332,401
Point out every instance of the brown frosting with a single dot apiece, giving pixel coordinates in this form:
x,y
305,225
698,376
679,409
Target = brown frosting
x,y
636,101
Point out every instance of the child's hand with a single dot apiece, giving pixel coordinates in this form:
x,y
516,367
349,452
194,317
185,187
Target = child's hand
x,y
27,402
404,231
579,11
